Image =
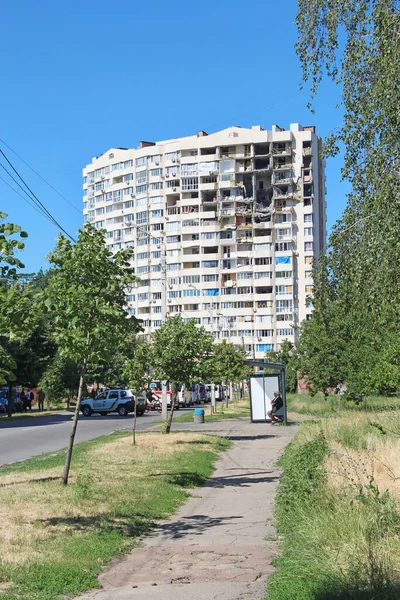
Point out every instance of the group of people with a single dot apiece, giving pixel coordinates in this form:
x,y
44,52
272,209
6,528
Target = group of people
x,y
28,397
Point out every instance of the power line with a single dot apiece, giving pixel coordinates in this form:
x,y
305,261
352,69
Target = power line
x,y
36,199
34,204
42,178
23,198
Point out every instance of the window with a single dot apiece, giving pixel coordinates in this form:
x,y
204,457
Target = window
x,y
155,172
140,162
285,332
263,319
141,217
191,279
175,294
172,171
156,309
208,278
130,298
263,275
283,246
143,256
284,233
190,293
174,156
308,218
157,227
191,223
155,268
143,270
284,289
141,189
173,226
264,332
128,177
128,163
172,239
99,211
109,208
264,347
174,267
157,323
308,260
210,264
192,183
189,170
209,235
99,224
309,289
143,296
283,274
156,254
263,261
284,305
246,275
308,246
156,186
308,231
175,252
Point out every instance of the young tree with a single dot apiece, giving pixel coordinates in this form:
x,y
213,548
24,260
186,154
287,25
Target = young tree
x,y
137,374
86,295
226,364
178,352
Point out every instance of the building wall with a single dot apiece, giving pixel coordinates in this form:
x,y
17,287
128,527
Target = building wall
x,y
238,214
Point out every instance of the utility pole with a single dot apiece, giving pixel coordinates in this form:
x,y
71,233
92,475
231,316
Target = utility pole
x,y
164,398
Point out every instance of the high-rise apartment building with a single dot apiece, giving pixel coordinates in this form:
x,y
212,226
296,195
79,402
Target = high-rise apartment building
x,y
225,227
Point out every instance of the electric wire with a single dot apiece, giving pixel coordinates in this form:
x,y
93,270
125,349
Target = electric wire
x,y
42,178
35,199
25,199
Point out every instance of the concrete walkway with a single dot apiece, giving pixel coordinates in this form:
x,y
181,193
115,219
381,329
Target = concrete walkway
x,y
217,546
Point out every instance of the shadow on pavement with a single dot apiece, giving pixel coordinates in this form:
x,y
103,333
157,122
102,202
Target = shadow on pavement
x,y
194,525
191,479
239,438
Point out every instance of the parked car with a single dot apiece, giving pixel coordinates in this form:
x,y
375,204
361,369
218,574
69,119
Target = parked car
x,y
3,405
115,400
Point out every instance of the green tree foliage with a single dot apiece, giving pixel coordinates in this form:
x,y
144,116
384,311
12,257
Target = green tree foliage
x,y
285,357
355,327
178,352
86,296
226,364
14,305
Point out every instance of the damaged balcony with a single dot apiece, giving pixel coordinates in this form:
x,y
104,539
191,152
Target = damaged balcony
x,y
282,148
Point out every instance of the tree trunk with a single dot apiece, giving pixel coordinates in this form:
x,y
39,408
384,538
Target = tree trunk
x,y
134,420
173,399
64,477
9,408
164,401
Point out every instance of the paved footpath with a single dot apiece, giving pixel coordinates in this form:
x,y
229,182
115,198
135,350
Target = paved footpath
x,y
217,546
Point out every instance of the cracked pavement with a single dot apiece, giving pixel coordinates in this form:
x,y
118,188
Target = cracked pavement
x,y
215,547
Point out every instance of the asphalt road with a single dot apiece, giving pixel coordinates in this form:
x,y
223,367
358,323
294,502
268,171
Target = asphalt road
x,y
23,438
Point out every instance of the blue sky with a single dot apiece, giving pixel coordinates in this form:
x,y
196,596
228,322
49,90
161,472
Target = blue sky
x,y
82,76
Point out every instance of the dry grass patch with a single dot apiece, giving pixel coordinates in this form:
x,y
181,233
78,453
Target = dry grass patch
x,y
116,490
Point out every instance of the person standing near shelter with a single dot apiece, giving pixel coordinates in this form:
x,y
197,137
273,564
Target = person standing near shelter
x,y
41,397
22,399
276,404
30,396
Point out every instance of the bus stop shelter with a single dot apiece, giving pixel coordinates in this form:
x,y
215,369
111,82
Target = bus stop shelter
x,y
262,386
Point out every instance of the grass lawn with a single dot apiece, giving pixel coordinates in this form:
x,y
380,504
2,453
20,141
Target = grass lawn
x,y
54,539
338,510
333,405
233,411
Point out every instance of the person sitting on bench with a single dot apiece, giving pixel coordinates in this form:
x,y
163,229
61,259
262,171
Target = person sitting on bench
x,y
276,404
